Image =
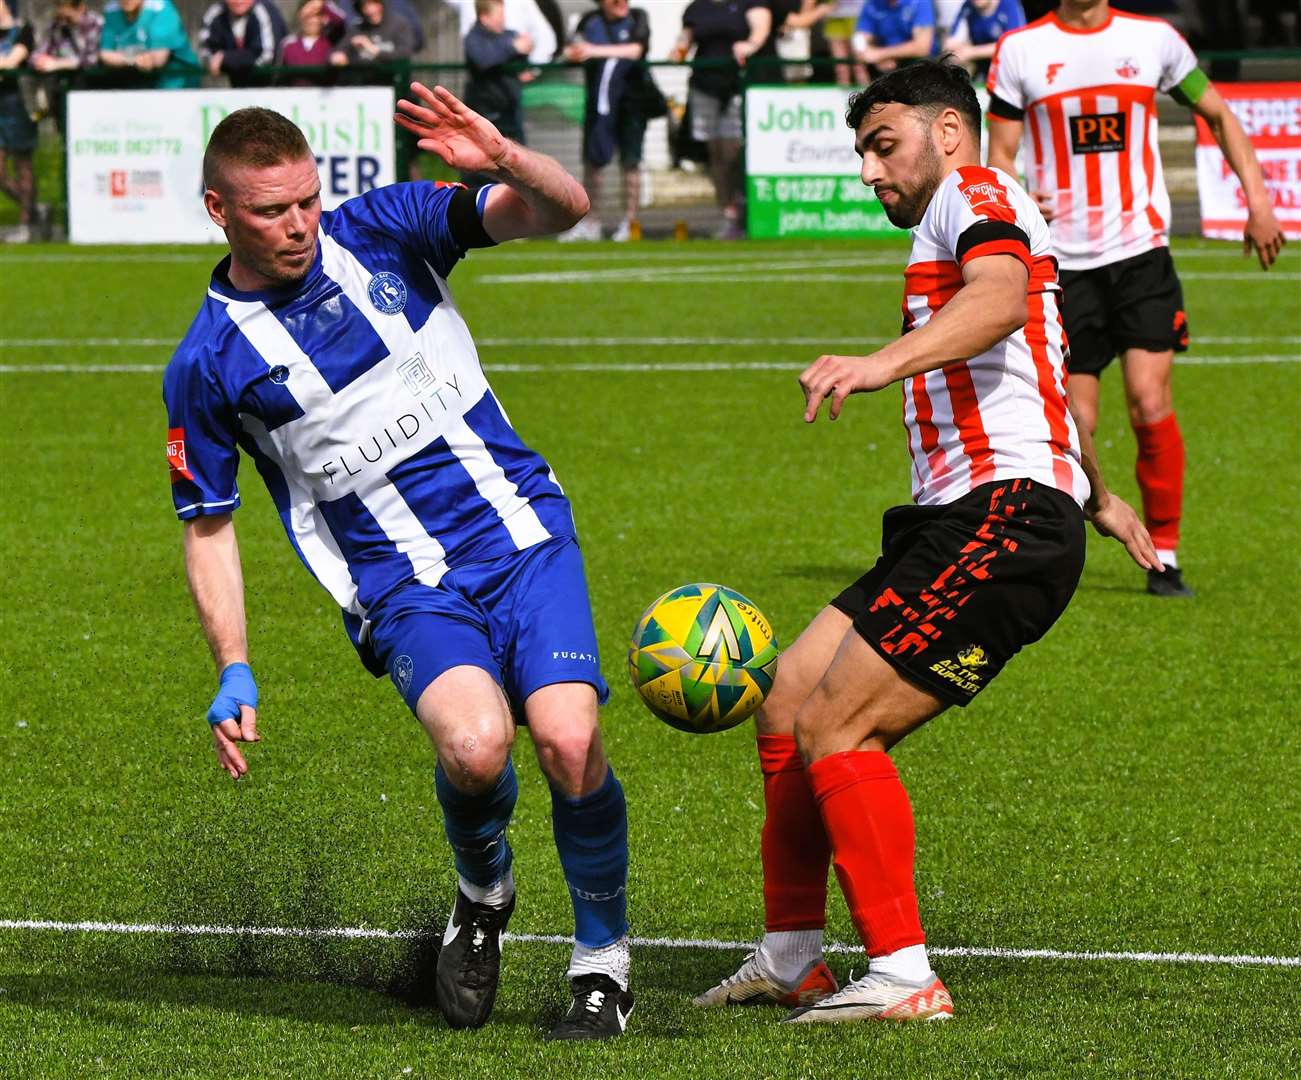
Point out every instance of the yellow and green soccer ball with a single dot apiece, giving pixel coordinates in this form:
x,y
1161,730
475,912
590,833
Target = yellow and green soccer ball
x,y
703,658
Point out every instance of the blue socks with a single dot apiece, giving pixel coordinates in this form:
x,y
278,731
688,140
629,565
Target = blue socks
x,y
592,838
476,825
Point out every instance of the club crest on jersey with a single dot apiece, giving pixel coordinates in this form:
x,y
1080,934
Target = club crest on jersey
x,y
279,374
403,669
1127,69
176,466
387,292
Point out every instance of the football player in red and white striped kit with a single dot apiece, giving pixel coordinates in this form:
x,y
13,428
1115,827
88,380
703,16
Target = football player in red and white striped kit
x,y
1080,85
981,566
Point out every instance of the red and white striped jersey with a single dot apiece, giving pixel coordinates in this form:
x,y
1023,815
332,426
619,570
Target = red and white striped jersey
x,y
1088,101
1001,414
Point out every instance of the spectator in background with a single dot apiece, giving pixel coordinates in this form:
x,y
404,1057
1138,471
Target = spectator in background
x,y
146,39
379,37
523,17
239,36
72,42
17,131
978,26
311,46
406,10
888,31
610,42
839,32
732,31
494,56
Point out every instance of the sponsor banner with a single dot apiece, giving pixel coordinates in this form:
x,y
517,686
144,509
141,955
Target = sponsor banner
x,y
801,168
802,172
1270,113
135,158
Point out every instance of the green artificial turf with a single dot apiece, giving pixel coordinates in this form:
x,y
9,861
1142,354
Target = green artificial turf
x,y
1129,784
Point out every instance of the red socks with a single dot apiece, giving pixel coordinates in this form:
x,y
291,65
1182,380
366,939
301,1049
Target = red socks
x,y
870,822
1160,472
794,848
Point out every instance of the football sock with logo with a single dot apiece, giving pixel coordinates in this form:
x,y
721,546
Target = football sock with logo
x,y
1160,472
870,822
795,853
592,840
476,827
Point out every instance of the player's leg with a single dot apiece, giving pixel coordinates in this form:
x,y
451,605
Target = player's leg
x,y
435,647
787,967
1150,326
967,586
1159,467
466,716
554,669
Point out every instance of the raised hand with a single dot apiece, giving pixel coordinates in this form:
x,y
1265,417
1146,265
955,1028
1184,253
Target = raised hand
x,y
448,127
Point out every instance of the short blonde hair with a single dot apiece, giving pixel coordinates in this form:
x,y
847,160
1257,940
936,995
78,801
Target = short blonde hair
x,y
486,7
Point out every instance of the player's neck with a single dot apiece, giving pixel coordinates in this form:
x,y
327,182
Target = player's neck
x,y
1084,15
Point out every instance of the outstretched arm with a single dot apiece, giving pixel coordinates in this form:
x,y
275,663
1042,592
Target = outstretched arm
x,y
1263,232
537,196
216,580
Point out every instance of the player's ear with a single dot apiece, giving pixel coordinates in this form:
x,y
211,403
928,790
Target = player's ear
x,y
951,131
216,207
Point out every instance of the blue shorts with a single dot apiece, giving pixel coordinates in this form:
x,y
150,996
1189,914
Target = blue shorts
x,y
524,618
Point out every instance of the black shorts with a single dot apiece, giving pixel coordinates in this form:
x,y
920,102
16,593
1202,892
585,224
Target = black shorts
x,y
960,589
1136,303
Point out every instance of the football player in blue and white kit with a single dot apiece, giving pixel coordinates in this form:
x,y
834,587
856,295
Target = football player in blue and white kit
x,y
329,349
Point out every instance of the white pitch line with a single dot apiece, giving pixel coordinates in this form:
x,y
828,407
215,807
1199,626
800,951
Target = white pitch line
x,y
351,933
596,277
599,368
590,342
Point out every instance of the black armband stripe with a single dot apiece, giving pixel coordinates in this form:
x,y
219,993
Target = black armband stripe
x,y
464,221
987,232
1001,109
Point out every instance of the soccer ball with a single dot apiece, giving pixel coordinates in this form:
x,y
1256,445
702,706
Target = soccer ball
x,y
703,658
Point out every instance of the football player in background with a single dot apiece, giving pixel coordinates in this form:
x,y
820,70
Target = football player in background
x,y
329,348
1079,88
981,566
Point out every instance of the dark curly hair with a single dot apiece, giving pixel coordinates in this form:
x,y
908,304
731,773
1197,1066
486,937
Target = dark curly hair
x,y
932,85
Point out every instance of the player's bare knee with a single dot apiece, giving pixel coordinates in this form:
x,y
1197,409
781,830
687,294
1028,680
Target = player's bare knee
x,y
569,756
476,757
1150,406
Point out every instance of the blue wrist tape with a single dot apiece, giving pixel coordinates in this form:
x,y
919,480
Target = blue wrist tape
x,y
237,688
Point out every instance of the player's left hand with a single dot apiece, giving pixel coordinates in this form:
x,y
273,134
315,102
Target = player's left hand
x,y
448,127
836,377
1265,235
1114,517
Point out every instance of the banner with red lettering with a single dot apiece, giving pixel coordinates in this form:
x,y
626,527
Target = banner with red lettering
x,y
1270,114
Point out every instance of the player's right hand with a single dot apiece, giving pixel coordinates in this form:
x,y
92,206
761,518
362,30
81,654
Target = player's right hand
x,y
1047,204
233,717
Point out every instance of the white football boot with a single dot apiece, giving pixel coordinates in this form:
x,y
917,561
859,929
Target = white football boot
x,y
879,997
751,985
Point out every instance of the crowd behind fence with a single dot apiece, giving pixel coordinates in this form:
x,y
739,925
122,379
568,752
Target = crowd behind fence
x,y
675,128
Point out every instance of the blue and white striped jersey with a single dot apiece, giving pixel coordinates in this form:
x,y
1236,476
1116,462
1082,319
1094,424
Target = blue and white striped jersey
x,y
359,396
